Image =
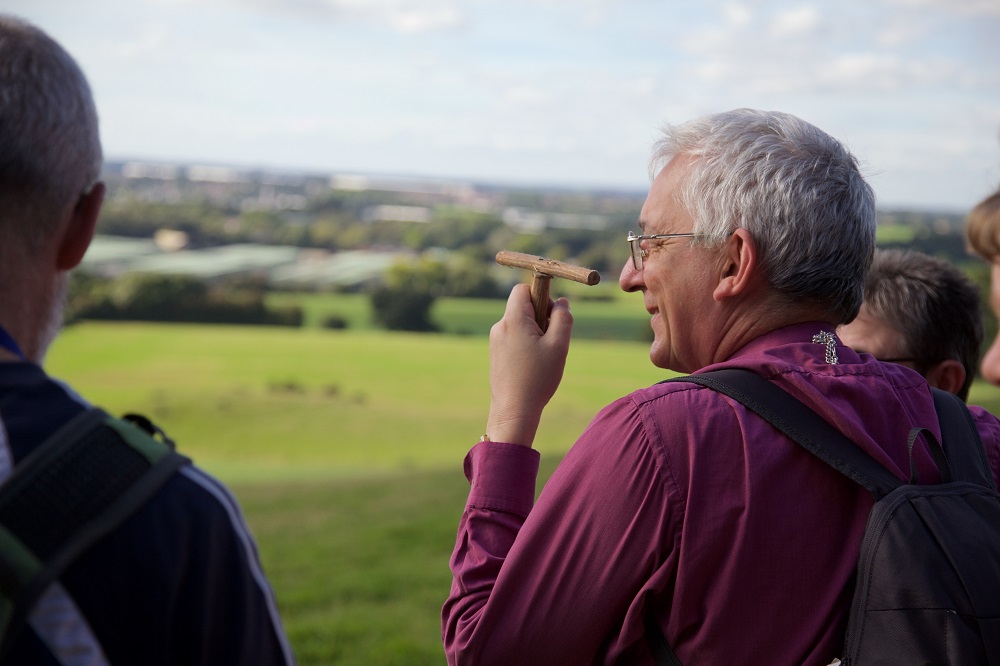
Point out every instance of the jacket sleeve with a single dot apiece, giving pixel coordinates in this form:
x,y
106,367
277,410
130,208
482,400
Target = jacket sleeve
x,y
226,611
560,581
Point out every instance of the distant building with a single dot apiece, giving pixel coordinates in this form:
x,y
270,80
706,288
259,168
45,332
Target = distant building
x,y
533,221
390,213
170,240
216,174
151,171
110,256
280,265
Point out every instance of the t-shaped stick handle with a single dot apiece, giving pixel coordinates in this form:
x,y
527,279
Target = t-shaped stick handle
x,y
543,271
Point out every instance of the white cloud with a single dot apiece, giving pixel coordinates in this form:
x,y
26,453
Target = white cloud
x,y
425,19
522,95
642,86
535,89
736,14
151,41
799,51
901,33
403,16
882,72
959,7
797,22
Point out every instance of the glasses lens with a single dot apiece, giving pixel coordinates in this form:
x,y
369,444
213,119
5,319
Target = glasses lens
x,y
636,250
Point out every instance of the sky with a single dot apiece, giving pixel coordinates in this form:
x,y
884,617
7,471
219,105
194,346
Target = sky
x,y
537,92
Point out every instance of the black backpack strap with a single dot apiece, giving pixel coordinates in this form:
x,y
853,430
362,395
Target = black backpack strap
x,y
961,442
963,449
76,487
801,424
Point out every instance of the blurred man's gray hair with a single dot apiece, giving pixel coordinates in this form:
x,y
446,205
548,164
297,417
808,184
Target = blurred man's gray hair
x,y
50,149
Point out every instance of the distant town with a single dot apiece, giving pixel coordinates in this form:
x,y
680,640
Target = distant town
x,y
343,231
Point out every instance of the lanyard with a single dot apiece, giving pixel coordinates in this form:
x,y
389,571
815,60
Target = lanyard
x,y
10,344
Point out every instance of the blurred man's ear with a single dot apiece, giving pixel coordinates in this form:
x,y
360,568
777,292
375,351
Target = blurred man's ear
x,y
947,375
80,230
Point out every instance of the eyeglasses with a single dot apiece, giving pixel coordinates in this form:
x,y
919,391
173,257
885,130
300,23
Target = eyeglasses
x,y
635,245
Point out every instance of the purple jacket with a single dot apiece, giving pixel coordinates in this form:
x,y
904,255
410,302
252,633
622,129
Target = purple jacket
x,y
678,501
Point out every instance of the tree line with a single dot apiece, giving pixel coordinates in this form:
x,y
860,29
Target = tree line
x,y
454,248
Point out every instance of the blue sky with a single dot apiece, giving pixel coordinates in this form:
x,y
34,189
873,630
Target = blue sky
x,y
552,92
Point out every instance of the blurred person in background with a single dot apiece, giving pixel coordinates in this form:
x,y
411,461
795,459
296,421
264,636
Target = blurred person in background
x,y
921,312
982,230
179,581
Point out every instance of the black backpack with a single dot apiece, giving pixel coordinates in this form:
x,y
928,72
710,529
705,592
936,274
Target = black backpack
x,y
928,582
77,486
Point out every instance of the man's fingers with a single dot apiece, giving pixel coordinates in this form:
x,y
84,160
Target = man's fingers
x,y
519,303
560,320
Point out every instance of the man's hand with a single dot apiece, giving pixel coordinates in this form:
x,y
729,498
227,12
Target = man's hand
x,y
526,366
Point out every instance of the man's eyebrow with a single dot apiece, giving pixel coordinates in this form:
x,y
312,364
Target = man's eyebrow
x,y
642,225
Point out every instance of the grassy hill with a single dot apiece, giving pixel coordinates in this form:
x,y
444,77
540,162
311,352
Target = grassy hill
x,y
257,403
345,450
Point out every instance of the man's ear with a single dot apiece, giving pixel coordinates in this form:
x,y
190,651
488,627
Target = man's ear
x,y
79,231
738,265
947,375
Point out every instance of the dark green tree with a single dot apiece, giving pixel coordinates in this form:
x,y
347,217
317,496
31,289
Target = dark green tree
x,y
404,301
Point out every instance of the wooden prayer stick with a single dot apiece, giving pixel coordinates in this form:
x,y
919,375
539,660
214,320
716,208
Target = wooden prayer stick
x,y
549,267
544,270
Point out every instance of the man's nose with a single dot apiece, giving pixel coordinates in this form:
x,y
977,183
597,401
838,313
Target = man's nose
x,y
630,279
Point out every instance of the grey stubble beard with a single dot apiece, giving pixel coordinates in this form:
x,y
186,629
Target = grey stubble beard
x,y
55,309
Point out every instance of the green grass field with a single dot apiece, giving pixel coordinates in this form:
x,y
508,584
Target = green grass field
x,y
259,404
601,312
345,450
